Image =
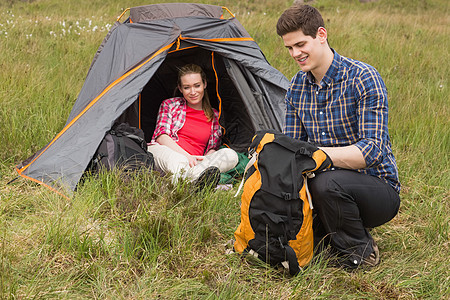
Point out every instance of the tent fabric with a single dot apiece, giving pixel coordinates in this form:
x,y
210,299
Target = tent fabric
x,y
124,67
173,10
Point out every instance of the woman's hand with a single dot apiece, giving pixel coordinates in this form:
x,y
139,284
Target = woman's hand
x,y
194,159
210,151
166,140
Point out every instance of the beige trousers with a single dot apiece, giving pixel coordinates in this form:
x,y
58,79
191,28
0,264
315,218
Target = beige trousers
x,y
170,161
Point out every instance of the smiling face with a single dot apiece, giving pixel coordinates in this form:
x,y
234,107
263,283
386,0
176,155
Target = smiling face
x,y
193,89
311,54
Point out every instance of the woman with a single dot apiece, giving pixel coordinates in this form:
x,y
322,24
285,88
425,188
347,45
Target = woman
x,y
187,133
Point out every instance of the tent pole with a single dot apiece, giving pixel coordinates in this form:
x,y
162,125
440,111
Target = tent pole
x,y
120,17
223,7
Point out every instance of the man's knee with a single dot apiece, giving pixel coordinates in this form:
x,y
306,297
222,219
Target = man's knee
x,y
322,185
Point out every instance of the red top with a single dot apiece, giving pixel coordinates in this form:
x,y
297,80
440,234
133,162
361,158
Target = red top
x,y
171,118
194,135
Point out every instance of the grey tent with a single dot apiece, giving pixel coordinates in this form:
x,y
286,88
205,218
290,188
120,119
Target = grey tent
x,y
135,68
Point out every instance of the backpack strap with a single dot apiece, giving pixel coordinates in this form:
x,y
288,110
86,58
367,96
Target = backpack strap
x,y
308,194
291,264
250,163
122,146
137,139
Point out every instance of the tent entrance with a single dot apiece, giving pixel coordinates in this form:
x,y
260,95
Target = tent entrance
x,y
235,119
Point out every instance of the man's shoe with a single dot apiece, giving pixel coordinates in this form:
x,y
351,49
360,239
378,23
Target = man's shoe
x,y
373,259
351,262
209,177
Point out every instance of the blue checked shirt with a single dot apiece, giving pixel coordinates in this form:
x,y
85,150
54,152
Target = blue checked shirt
x,y
349,107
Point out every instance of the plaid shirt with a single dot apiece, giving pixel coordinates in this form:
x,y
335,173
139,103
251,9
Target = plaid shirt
x,y
171,118
349,107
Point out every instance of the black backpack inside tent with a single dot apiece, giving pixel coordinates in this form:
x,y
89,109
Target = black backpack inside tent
x,y
135,69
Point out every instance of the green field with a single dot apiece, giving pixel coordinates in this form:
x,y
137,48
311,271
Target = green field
x,y
144,238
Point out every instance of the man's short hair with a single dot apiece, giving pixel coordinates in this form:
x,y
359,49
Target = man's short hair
x,y
300,17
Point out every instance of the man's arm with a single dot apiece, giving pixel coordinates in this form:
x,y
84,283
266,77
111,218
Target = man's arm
x,y
346,157
372,127
293,126
372,117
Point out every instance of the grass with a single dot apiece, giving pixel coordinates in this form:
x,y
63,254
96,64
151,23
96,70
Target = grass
x,y
144,238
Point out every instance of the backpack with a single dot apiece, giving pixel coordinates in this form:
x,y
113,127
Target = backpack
x,y
276,209
123,147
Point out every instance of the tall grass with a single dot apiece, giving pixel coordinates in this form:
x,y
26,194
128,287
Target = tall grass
x,y
144,238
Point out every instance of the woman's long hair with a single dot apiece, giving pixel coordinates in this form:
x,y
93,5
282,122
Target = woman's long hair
x,y
195,69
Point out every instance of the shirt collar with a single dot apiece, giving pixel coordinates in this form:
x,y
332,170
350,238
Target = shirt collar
x,y
332,73
333,70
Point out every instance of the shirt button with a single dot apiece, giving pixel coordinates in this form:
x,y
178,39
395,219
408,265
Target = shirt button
x,y
317,92
323,133
321,113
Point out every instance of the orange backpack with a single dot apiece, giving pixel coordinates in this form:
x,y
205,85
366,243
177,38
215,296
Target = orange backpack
x,y
276,209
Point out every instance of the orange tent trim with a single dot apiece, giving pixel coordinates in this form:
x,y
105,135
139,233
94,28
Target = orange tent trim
x,y
95,101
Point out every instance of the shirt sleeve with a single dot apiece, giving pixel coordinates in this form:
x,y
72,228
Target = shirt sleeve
x,y
216,134
164,120
293,126
372,117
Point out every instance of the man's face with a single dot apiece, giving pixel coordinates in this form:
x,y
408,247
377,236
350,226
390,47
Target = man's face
x,y
304,49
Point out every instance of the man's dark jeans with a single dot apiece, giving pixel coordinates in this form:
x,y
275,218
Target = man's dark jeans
x,y
347,203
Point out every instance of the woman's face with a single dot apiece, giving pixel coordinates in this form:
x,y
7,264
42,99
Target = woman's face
x,y
193,88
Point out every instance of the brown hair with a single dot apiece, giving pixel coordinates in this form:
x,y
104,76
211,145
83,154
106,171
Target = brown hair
x,y
195,69
300,17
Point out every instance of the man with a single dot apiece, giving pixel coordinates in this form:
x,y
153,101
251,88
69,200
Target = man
x,y
340,105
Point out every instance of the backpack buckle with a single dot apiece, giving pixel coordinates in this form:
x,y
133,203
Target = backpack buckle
x,y
286,196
